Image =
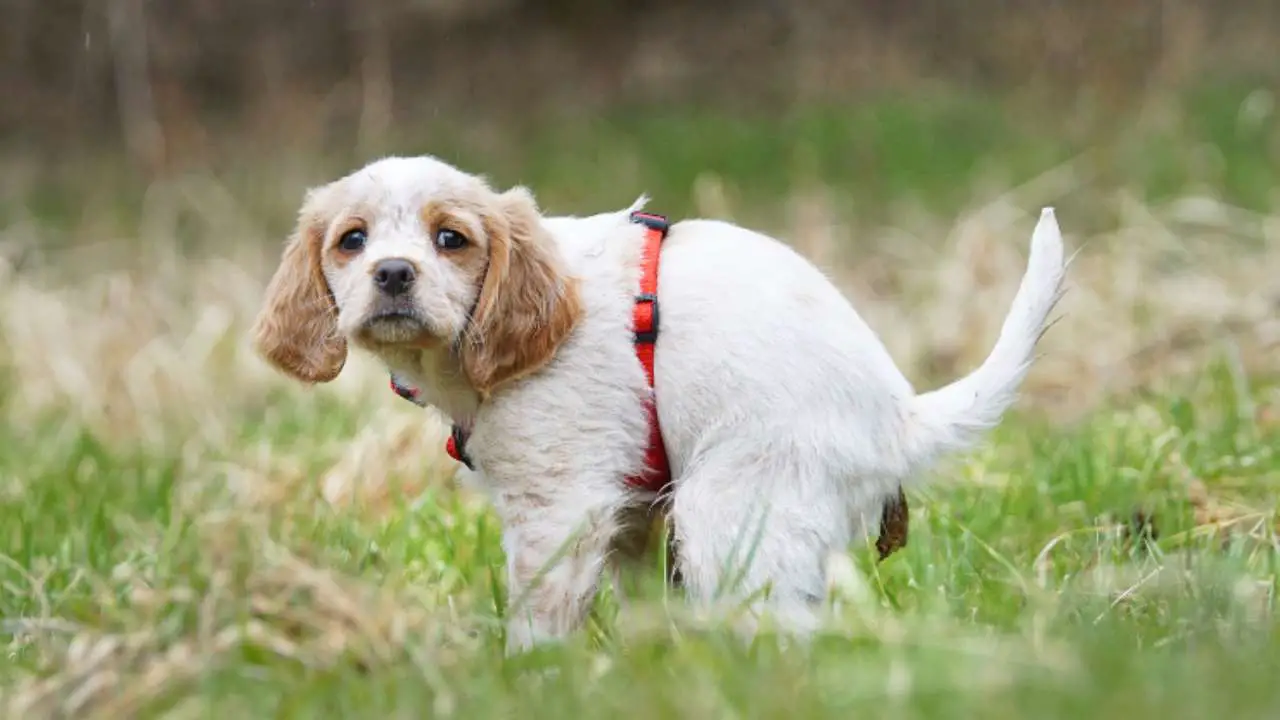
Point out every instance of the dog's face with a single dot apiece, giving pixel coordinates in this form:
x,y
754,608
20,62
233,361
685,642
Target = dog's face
x,y
404,248
413,254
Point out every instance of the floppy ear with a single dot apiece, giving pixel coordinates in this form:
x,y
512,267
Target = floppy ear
x,y
297,327
527,306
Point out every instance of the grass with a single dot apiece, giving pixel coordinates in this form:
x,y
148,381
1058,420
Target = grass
x,y
185,534
136,585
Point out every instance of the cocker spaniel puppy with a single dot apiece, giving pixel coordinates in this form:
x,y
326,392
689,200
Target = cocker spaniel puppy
x,y
785,427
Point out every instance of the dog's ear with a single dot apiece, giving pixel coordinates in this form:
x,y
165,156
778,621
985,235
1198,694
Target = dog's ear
x,y
297,327
527,306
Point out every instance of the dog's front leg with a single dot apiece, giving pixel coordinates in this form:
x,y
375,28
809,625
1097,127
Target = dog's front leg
x,y
556,544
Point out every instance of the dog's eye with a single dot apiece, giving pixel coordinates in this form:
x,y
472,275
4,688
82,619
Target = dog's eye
x,y
449,239
353,241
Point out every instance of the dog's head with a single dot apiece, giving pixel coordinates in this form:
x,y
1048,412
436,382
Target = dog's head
x,y
414,254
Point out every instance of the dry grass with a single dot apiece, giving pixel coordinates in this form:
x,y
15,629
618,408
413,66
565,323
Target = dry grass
x,y
151,347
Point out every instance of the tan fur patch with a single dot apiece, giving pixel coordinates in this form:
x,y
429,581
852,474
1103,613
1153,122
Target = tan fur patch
x,y
527,306
297,328
470,259
340,258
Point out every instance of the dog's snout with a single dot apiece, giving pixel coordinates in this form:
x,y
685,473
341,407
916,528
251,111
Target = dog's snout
x,y
394,276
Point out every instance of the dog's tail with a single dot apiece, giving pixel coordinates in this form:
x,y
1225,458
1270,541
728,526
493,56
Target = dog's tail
x,y
954,417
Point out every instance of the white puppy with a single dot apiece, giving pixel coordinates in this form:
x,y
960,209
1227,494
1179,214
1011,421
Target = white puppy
x,y
786,423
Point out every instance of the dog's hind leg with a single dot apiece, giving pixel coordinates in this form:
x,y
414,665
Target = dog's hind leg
x,y
755,529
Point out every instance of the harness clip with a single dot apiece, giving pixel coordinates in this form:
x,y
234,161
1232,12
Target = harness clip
x,y
650,335
651,221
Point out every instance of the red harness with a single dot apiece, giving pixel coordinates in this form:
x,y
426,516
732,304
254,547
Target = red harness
x,y
645,321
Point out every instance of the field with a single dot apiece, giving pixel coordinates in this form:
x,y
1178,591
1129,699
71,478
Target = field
x,y
184,533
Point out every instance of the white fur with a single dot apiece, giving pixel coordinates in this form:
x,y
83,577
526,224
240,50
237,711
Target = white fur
x,y
787,423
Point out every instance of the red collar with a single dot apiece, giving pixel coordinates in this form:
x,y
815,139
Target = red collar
x,y
658,470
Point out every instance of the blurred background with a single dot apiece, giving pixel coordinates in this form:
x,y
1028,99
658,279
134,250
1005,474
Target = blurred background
x,y
592,100
154,155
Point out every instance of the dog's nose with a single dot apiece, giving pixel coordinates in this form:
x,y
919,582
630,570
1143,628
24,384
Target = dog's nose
x,y
393,276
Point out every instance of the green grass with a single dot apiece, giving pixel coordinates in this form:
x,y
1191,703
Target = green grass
x,y
145,548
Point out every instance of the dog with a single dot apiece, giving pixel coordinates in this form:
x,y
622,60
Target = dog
x,y
786,429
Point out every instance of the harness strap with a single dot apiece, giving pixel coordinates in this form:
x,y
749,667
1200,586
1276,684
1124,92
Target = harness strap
x,y
645,319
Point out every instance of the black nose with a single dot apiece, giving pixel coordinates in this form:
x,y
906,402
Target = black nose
x,y
393,277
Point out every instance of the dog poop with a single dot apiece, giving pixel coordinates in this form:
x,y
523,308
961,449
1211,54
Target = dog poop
x,y
893,525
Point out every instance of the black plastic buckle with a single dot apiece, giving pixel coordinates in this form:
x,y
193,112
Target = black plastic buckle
x,y
651,335
651,221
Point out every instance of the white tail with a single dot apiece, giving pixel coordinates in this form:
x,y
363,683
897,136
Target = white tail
x,y
954,417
